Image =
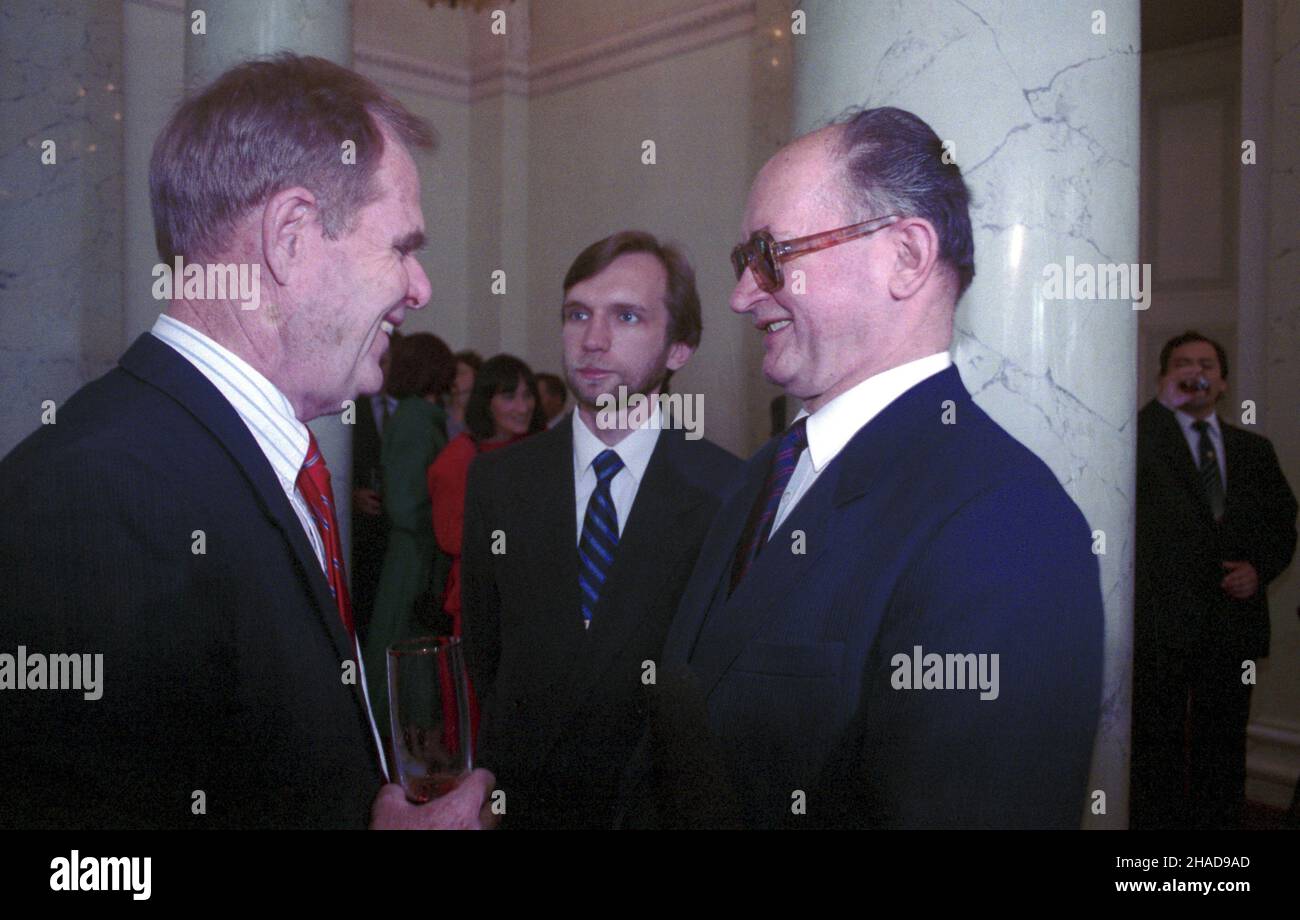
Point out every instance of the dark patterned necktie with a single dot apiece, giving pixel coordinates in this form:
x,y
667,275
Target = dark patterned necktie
x,y
599,539
1209,469
759,525
314,484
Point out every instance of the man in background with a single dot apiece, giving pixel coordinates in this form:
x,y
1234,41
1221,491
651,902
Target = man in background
x,y
554,398
1215,525
578,542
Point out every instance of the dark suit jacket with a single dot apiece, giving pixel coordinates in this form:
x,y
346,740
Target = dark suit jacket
x,y
949,537
1180,548
563,706
223,670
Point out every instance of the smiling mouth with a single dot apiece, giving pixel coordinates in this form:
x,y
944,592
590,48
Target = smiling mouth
x,y
772,326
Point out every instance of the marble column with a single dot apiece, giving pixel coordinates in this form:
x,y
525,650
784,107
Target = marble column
x,y
1258,26
1274,738
235,30
60,203
1040,103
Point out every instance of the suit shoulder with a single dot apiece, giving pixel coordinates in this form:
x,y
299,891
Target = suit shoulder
x,y
706,453
1153,412
707,464
111,418
1253,440
987,460
521,457
1000,455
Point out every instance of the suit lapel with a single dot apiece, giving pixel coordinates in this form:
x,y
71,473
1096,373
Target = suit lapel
x,y
161,366
549,528
1234,461
904,427
707,587
765,590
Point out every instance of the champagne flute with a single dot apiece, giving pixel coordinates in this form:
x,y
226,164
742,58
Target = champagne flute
x,y
428,701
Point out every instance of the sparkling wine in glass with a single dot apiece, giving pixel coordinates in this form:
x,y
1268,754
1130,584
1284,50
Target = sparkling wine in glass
x,y
428,697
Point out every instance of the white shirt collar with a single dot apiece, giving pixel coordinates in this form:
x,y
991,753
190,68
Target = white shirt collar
x,y
634,450
832,426
264,409
1187,421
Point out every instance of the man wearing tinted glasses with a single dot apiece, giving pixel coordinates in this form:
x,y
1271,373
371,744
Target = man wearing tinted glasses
x,y
897,620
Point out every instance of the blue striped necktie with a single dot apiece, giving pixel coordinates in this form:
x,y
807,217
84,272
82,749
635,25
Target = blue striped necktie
x,y
759,525
599,534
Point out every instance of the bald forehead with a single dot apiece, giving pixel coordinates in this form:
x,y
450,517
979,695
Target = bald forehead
x,y
807,171
819,146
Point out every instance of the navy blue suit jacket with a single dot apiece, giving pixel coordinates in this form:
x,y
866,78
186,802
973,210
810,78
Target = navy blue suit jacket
x,y
950,538
222,670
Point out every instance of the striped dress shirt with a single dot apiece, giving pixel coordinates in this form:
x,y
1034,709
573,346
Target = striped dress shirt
x,y
265,410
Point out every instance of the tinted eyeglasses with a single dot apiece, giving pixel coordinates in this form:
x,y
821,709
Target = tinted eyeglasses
x,y
762,253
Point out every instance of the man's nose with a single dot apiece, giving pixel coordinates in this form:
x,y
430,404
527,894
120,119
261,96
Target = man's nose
x,y
596,335
418,287
746,293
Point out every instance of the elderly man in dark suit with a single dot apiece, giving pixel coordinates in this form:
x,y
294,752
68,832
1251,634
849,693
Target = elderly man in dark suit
x,y
578,542
1216,523
178,517
897,620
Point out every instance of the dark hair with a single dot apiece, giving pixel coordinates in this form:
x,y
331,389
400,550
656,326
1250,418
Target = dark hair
x,y
1191,335
472,358
500,374
421,365
682,300
896,166
553,385
264,126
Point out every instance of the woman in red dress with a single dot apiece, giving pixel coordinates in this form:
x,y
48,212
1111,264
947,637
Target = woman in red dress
x,y
503,408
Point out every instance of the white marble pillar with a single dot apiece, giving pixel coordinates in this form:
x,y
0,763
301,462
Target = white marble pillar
x,y
1274,735
1258,26
234,31
498,182
60,203
153,81
1040,102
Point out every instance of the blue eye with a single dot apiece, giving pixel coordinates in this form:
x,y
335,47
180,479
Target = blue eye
x,y
629,317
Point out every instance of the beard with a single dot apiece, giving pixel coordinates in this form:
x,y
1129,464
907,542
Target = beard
x,y
587,392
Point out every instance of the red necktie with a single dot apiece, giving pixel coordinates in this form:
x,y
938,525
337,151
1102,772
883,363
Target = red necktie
x,y
314,484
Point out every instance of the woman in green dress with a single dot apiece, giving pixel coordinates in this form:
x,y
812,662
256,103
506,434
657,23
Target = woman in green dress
x,y
421,375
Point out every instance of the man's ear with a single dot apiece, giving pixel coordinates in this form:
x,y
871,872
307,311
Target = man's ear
x,y
287,217
678,354
916,250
